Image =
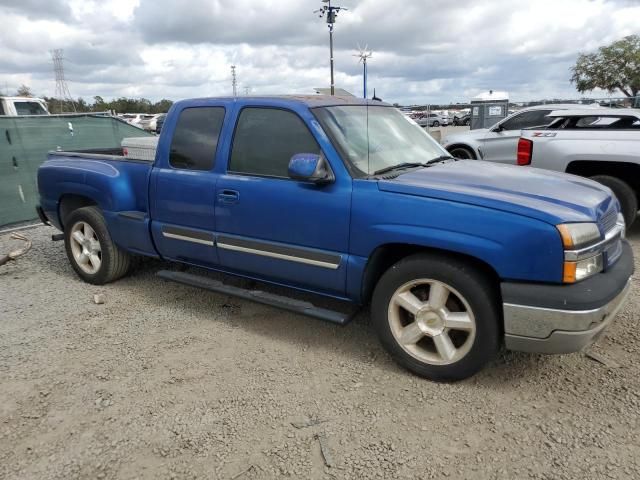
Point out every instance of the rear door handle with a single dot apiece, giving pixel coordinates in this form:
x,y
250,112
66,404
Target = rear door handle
x,y
229,196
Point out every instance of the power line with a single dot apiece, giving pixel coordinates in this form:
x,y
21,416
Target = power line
x,y
62,90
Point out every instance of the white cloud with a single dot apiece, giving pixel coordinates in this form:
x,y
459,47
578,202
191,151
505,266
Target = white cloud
x,y
424,50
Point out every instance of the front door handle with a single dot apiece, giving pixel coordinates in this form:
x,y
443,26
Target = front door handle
x,y
229,196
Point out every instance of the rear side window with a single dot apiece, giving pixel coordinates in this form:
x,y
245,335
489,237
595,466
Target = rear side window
x,y
266,139
534,118
195,139
29,108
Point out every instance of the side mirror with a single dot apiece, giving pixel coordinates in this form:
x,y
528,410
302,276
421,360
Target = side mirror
x,y
310,167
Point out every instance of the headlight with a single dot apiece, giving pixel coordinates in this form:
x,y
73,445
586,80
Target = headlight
x,y
577,236
576,271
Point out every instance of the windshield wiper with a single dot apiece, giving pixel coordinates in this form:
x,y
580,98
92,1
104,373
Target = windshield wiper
x,y
399,166
441,158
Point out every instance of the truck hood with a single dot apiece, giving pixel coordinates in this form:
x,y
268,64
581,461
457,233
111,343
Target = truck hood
x,y
545,195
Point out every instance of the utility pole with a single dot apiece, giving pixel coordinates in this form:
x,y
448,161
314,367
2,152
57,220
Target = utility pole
x,y
363,55
331,12
234,82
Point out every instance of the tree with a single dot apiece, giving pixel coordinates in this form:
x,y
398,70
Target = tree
x,y
24,91
612,67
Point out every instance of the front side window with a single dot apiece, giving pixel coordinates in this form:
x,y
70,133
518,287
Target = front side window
x,y
265,140
533,118
195,139
29,108
373,138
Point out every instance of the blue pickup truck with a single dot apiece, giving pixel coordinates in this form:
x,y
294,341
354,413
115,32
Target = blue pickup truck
x,y
349,199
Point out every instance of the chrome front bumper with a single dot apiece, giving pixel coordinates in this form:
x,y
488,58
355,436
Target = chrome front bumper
x,y
547,330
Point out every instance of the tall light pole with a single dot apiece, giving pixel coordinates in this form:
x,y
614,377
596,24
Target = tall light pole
x,y
234,83
363,55
331,12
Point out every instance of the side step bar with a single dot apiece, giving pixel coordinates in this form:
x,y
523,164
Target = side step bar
x,y
285,303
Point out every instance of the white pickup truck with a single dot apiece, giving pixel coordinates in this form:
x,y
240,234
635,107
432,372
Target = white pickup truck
x,y
16,106
602,144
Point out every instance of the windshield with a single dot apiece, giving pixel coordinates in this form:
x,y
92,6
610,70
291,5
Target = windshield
x,y
378,139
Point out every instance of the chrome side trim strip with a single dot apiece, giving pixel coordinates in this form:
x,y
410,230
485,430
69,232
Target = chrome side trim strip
x,y
281,256
188,239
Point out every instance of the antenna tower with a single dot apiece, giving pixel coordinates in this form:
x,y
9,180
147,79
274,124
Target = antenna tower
x,y
363,54
62,90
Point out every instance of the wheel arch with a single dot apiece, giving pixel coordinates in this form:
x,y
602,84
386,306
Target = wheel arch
x,y
384,256
69,202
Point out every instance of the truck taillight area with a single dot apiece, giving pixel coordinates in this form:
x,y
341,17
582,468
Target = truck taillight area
x,y
525,149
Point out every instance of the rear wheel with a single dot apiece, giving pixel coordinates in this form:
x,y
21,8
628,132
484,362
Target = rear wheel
x,y
436,316
625,194
436,123
462,153
90,249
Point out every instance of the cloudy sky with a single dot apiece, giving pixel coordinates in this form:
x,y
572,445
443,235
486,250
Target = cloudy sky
x,y
423,50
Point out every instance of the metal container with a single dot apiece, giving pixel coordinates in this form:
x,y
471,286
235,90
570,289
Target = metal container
x,y
140,148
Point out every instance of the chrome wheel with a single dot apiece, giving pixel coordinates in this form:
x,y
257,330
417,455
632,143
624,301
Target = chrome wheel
x,y
85,247
432,321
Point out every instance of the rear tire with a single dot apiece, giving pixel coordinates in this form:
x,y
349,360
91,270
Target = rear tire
x,y
625,194
450,300
462,153
436,124
91,251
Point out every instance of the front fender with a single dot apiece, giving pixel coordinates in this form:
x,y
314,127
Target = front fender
x,y
516,247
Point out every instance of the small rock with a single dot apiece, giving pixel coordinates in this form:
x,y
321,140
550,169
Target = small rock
x,y
98,298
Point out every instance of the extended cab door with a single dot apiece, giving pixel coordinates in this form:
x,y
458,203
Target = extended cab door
x,y
183,186
270,226
501,141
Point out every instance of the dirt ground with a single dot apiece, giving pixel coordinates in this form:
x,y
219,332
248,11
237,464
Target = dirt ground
x,y
166,381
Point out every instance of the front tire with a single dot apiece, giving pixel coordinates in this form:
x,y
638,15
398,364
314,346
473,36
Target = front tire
x,y
436,124
90,250
437,316
625,194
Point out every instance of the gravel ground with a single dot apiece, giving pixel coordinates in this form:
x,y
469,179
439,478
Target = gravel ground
x,y
166,381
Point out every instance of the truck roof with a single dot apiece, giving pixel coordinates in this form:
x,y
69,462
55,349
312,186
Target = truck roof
x,y
600,112
22,99
309,100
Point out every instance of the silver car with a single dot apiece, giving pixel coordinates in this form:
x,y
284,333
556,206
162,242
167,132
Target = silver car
x,y
498,143
433,120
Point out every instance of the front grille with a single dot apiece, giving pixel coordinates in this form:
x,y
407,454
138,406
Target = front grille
x,y
608,220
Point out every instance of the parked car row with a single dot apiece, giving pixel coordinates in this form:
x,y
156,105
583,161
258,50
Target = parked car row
x,y
145,121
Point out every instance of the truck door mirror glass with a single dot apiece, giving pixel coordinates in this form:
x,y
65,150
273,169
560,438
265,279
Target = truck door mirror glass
x,y
310,167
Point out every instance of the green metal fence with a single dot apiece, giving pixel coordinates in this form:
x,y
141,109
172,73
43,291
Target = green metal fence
x,y
25,141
